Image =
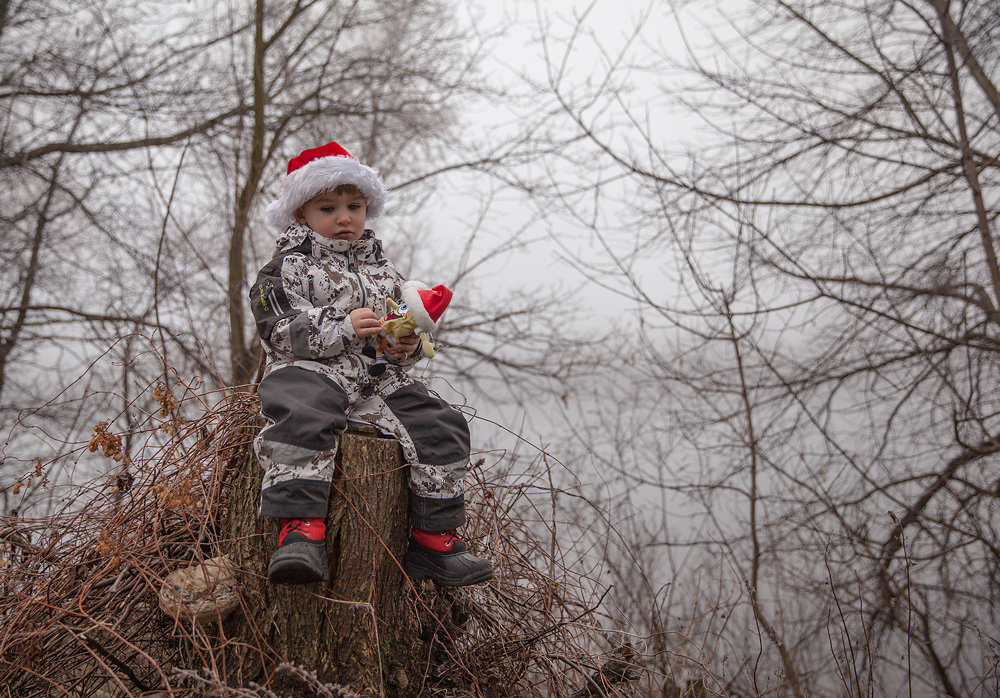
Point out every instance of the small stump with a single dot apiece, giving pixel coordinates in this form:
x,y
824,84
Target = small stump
x,y
361,628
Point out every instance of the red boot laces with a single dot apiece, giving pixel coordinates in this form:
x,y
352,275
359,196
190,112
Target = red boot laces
x,y
441,541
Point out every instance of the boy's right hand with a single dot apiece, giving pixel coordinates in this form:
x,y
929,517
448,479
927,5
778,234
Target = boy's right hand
x,y
365,322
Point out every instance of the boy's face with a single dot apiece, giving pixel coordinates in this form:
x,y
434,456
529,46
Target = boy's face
x,y
335,215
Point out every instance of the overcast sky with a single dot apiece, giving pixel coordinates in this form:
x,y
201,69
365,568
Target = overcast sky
x,y
518,52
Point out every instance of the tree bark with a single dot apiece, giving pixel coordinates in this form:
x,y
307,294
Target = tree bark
x,y
360,630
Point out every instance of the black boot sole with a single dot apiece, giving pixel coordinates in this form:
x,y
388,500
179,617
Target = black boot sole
x,y
298,563
418,567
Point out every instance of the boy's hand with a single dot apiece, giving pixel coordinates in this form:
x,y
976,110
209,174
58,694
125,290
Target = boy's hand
x,y
365,322
404,346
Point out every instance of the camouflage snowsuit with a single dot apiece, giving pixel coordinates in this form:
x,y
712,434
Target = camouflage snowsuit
x,y
317,380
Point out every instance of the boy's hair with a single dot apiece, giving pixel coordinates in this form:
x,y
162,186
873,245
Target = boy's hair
x,y
347,189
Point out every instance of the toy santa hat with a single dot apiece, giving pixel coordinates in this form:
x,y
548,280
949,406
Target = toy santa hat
x,y
426,304
319,170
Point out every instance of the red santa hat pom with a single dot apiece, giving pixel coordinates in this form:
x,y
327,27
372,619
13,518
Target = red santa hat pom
x,y
426,304
319,170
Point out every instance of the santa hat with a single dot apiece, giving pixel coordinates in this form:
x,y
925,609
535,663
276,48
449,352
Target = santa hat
x,y
319,170
426,304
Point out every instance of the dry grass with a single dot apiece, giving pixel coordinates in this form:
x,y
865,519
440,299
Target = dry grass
x,y
78,588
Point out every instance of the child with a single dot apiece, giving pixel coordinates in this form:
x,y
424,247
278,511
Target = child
x,y
313,304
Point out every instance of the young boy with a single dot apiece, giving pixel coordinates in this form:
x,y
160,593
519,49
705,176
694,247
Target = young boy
x,y
314,307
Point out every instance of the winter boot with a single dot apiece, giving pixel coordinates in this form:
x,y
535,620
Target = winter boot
x,y
379,367
301,554
441,556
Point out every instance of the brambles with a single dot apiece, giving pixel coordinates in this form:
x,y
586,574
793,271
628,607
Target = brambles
x,y
110,444
163,395
177,496
168,408
26,481
100,560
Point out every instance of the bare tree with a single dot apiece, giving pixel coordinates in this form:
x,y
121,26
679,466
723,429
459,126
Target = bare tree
x,y
81,111
817,285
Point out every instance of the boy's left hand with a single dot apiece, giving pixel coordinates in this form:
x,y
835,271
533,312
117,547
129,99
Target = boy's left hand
x,y
404,346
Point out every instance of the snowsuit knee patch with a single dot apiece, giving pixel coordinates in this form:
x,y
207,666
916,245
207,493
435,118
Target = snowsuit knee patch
x,y
307,408
439,432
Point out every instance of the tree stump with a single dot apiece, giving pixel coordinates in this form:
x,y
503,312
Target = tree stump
x,y
360,629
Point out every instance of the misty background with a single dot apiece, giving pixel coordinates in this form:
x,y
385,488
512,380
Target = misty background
x,y
725,282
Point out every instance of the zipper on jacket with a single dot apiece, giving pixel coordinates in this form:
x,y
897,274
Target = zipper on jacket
x,y
353,268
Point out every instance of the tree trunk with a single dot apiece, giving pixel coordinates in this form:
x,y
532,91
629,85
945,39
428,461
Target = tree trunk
x,y
360,630
241,358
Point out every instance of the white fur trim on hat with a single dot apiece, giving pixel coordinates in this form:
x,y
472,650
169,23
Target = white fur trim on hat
x,y
415,304
322,175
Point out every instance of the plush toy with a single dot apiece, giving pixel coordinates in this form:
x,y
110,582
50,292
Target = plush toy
x,y
418,313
